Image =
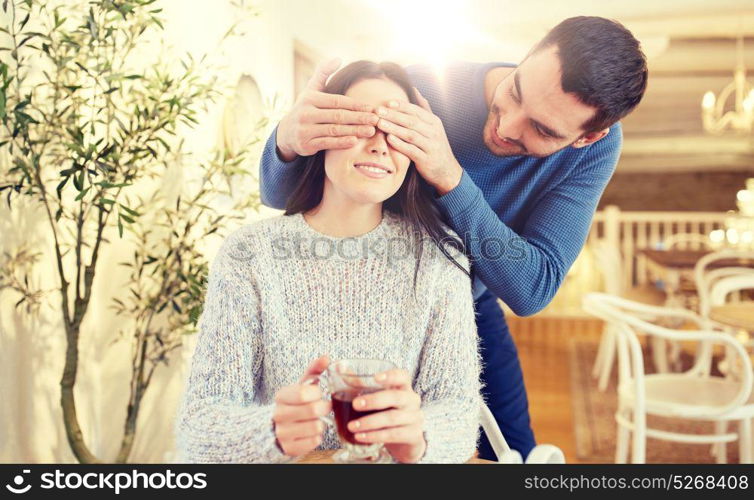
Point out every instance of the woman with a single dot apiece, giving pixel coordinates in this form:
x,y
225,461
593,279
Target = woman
x,y
359,266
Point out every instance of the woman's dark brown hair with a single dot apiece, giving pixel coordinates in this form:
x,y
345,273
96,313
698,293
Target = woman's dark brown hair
x,y
414,200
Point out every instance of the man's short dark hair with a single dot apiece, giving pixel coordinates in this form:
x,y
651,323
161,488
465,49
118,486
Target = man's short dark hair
x,y
602,63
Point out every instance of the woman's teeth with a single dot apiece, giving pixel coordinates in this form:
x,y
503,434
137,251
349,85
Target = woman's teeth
x,y
373,169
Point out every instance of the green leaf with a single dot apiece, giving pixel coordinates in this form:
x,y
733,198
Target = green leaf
x,y
103,166
26,20
78,181
106,151
120,228
129,210
126,218
107,200
25,40
61,185
108,185
194,314
58,20
83,68
82,193
92,24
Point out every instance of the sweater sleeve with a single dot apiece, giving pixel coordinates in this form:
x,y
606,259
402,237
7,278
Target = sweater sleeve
x,y
277,178
221,420
528,273
448,380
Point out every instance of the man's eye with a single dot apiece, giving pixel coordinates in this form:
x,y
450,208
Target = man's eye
x,y
513,96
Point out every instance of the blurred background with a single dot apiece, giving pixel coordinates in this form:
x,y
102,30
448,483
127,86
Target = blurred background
x,y
680,185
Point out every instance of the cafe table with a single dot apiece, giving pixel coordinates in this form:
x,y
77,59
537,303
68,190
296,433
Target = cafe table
x,y
739,315
325,457
671,266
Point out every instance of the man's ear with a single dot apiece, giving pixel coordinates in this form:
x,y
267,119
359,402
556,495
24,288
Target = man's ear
x,y
590,138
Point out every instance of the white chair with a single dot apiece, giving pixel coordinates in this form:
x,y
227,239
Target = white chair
x,y
723,288
705,274
721,283
610,262
541,454
693,395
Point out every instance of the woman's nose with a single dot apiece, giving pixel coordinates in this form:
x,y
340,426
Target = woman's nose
x,y
378,143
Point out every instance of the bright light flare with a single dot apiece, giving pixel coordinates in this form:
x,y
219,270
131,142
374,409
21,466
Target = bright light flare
x,y
427,31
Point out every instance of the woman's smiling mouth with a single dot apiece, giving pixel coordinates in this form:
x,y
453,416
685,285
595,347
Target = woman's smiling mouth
x,y
373,170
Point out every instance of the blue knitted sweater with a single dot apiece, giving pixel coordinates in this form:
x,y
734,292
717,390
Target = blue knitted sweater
x,y
524,220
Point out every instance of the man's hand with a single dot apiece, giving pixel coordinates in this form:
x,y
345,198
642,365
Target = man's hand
x,y
400,423
419,134
320,121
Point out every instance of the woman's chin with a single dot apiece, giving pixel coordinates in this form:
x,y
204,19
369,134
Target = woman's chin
x,y
370,197
369,200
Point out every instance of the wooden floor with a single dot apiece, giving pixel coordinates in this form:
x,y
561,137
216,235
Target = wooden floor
x,y
543,348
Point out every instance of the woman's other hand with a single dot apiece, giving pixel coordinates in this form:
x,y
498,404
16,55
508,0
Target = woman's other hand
x,y
399,423
298,407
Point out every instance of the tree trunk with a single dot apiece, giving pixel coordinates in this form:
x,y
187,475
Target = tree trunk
x,y
68,402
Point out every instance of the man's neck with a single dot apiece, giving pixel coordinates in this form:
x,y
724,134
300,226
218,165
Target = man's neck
x,y
492,79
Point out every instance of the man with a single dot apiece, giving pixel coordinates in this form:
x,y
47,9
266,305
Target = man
x,y
518,156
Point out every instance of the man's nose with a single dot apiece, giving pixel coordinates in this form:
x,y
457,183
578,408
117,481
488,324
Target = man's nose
x,y
511,125
378,143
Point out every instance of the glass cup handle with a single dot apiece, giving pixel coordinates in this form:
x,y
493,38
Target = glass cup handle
x,y
314,380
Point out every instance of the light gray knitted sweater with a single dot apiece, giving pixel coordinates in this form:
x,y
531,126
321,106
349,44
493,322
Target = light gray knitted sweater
x,y
280,294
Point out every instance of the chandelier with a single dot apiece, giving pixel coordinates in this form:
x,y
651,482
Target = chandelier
x,y
740,118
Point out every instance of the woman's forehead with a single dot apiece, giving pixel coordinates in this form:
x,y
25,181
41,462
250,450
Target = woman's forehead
x,y
376,91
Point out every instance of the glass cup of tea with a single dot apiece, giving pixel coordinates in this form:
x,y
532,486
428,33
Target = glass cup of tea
x,y
344,381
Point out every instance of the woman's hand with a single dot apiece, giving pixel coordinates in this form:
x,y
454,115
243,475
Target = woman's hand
x,y
399,425
298,407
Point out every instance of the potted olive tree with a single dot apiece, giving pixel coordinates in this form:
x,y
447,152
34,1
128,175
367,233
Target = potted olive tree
x,y
88,140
